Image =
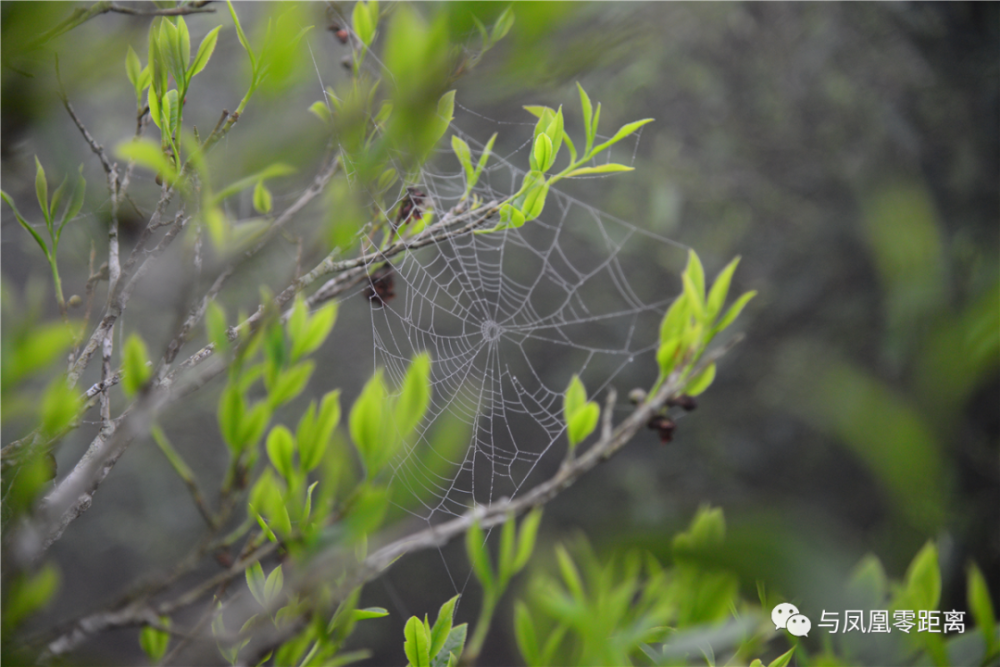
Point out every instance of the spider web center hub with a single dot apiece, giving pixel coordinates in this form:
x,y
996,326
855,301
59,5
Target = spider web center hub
x,y
491,331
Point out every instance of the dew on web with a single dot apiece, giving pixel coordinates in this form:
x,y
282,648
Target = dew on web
x,y
508,318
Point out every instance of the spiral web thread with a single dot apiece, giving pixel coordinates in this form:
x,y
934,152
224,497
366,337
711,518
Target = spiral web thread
x,y
507,318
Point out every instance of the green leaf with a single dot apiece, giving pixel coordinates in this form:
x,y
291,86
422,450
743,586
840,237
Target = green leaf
x,y
720,289
695,299
321,111
365,20
184,44
24,223
155,114
442,625
453,648
76,202
526,538
256,582
215,326
667,356
42,192
370,612
28,594
418,643
273,585
923,579
502,25
205,51
149,155
981,608
154,642
620,134
555,132
232,408
463,154
505,557
608,168
134,368
242,37
315,332
701,382
271,171
415,395
696,272
534,198
262,198
253,424
569,573
734,311
475,548
280,449
583,423
313,435
445,114
366,423
783,659
134,70
483,158
367,513
524,633
588,114
60,405
290,383
581,416
541,156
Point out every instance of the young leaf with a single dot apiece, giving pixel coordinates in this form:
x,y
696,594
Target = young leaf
x,y
696,272
703,381
154,641
364,20
366,424
445,113
574,398
734,311
256,582
524,633
783,659
184,45
75,203
242,37
453,648
42,192
526,538
482,161
588,114
135,372
583,423
149,155
30,593
608,168
418,643
60,404
262,198
313,433
273,585
620,134
134,70
415,395
205,51
720,289
570,574
541,156
534,200
280,449
253,425
463,154
502,25
290,383
475,548
215,326
24,223
57,198
315,332
442,626
981,608
923,578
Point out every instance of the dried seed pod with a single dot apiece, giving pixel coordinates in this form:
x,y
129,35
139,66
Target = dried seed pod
x,y
688,403
662,425
380,286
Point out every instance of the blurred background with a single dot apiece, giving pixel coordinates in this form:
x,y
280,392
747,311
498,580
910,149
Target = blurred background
x,y
848,152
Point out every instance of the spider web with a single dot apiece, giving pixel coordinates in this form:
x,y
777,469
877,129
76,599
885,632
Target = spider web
x,y
508,318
